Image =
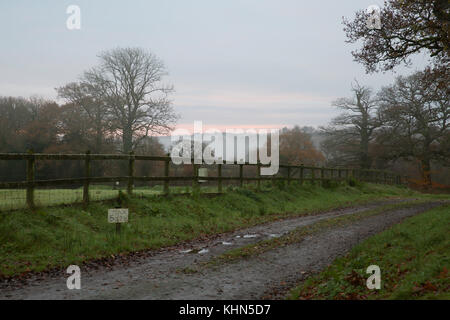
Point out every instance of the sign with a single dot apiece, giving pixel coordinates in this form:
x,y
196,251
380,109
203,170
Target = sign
x,y
202,172
117,215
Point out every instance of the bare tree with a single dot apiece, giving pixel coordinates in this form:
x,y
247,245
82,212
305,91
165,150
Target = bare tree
x,y
349,134
416,111
127,83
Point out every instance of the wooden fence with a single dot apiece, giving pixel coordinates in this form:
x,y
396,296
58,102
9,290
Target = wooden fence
x,y
316,174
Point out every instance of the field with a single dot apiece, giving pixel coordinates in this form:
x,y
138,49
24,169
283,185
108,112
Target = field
x,y
11,199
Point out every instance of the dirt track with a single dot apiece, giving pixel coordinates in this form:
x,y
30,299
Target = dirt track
x,y
160,277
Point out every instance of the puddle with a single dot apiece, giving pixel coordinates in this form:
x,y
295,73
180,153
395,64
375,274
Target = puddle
x,y
226,243
186,251
247,236
203,251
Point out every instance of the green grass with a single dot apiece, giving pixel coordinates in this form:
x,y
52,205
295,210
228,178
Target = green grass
x,y
413,258
59,236
11,199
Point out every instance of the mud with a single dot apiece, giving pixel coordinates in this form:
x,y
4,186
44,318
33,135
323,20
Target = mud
x,y
168,274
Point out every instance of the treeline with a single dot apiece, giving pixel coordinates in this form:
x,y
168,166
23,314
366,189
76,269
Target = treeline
x,y
116,106
404,126
45,127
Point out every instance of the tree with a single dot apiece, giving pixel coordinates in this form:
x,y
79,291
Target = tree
x,y
91,112
416,114
348,137
152,146
128,84
407,27
297,148
44,128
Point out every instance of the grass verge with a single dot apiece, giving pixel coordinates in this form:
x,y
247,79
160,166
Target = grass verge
x,y
413,258
60,236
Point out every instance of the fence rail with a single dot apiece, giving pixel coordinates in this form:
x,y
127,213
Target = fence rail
x,y
294,173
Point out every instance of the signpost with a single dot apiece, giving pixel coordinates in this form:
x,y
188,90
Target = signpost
x,y
118,216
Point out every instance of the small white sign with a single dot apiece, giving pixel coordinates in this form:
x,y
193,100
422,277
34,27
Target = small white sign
x,y
202,172
117,215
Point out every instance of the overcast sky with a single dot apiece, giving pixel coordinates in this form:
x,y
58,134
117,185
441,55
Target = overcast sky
x,y
247,63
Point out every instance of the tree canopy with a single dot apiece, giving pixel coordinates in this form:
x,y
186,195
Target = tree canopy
x,y
407,27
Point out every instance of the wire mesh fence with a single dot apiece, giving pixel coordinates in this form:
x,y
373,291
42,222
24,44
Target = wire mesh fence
x,y
39,180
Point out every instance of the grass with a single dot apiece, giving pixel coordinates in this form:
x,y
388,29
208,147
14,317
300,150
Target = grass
x,y
413,258
299,234
59,236
11,199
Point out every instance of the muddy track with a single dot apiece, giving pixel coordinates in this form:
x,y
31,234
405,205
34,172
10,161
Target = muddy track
x,y
166,275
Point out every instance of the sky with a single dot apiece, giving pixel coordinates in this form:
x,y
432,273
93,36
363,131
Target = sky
x,y
233,64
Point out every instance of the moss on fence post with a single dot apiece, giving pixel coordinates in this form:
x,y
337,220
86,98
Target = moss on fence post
x,y
130,173
322,176
30,179
195,183
166,174
241,175
219,175
258,173
87,175
289,174
301,174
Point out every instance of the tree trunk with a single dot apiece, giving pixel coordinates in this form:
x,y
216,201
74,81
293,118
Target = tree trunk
x,y
127,140
364,152
426,171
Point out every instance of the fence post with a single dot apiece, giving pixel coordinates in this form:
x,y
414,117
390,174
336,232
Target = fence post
x,y
30,180
313,176
130,173
166,174
301,174
289,174
219,175
321,176
87,175
241,175
259,175
195,181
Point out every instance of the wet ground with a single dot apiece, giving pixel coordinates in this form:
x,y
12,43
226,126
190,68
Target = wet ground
x,y
165,274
